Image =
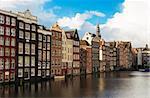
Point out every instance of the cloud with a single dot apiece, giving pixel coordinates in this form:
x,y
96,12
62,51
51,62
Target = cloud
x,y
45,17
79,20
132,24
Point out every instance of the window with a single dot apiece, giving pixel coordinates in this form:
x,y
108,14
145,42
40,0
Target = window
x,y
21,34
27,26
32,72
48,39
39,65
40,45
13,32
7,41
26,73
20,61
32,61
33,49
1,51
1,63
13,21
7,75
21,25
7,64
12,76
1,40
27,48
40,37
39,72
48,55
27,35
47,72
7,20
20,72
7,52
13,42
1,30
1,76
33,28
20,48
27,61
1,19
12,52
48,64
33,37
7,31
12,63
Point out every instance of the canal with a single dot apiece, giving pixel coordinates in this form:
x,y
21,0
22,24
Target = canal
x,y
103,85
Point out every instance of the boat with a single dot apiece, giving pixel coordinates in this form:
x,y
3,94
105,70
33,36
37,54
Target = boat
x,y
59,77
145,70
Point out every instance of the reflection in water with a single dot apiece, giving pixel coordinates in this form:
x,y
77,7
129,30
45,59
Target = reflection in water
x,y
103,85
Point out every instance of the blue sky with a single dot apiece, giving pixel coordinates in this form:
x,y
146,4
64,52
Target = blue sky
x,y
126,20
71,7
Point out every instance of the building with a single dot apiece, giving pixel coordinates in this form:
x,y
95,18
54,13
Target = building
x,y
67,53
125,54
8,28
146,56
83,57
56,57
44,52
26,46
73,35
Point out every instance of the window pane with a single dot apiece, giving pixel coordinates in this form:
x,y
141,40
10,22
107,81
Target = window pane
x,y
1,63
27,61
1,30
13,52
1,40
1,19
7,41
7,31
33,61
20,61
13,32
1,51
20,48
27,48
21,34
7,20
7,52
13,42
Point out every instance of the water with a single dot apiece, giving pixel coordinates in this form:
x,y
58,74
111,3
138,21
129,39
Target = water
x,y
103,85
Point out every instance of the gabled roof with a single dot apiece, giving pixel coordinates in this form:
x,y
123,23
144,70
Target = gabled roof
x,y
70,34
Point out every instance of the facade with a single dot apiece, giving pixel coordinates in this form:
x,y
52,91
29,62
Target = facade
x,y
83,57
125,54
7,46
56,57
44,52
26,46
73,35
146,56
67,53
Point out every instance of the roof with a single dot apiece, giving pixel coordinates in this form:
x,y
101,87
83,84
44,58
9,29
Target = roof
x,y
84,42
70,34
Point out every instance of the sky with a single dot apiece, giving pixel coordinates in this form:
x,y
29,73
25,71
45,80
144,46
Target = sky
x,y
127,20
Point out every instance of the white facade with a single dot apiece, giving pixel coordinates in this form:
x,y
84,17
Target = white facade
x,y
88,37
